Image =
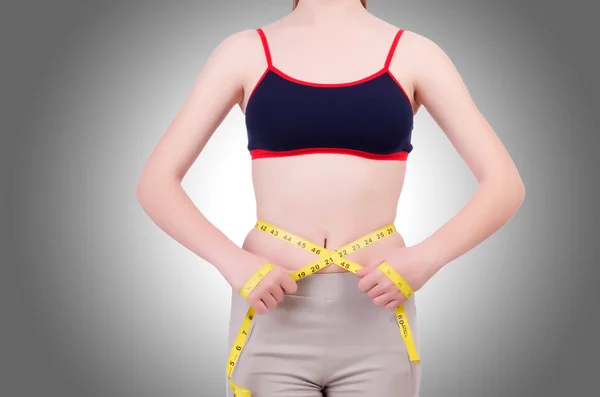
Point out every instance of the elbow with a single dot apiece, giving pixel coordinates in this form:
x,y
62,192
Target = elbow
x,y
155,183
519,191
144,192
512,191
516,196
516,188
506,192
148,190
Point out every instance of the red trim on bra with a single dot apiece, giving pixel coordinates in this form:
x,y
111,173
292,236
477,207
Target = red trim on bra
x,y
402,88
388,60
260,153
265,44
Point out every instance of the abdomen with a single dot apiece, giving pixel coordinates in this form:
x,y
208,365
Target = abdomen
x,y
329,199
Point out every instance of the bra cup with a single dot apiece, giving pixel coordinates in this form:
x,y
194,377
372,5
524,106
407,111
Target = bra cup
x,y
372,116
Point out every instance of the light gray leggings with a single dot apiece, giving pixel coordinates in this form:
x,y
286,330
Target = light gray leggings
x,y
328,339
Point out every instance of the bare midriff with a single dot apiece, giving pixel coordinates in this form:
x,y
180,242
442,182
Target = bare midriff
x,y
329,199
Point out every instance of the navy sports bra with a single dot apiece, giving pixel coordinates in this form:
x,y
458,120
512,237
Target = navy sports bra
x,y
371,117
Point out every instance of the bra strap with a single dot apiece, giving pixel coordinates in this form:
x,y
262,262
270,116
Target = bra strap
x,y
388,61
265,43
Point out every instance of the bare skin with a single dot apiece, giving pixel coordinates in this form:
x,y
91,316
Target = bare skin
x,y
329,41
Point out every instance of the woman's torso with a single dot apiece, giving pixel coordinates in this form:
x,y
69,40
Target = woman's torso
x,y
328,198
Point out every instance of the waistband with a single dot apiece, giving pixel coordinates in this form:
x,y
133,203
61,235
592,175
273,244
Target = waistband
x,y
329,285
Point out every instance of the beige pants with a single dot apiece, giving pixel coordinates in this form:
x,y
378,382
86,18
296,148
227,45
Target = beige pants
x,y
328,339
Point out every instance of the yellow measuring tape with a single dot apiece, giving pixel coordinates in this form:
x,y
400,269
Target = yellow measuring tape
x,y
326,258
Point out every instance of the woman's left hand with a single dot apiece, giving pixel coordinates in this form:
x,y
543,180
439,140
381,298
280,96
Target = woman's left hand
x,y
412,263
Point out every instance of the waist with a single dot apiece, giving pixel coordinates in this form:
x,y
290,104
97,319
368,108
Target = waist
x,y
291,257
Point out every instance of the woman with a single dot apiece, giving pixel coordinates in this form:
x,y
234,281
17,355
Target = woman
x,y
322,287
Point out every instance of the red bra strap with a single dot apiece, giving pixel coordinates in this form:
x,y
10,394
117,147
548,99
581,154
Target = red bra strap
x,y
388,61
263,38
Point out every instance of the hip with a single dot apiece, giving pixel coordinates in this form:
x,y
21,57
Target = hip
x,y
328,334
328,310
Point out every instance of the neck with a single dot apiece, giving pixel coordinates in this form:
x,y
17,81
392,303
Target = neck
x,y
328,10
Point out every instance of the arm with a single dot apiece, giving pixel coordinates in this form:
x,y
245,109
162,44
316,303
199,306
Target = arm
x,y
217,88
441,90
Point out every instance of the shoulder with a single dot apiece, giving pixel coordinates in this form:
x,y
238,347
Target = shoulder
x,y
412,50
436,80
427,61
425,55
237,46
235,56
422,49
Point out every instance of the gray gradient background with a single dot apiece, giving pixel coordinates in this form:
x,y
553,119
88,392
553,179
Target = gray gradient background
x,y
97,301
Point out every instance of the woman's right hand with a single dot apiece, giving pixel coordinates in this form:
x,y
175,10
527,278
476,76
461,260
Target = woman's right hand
x,y
270,291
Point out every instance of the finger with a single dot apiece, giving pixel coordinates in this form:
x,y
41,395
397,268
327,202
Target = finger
x,y
363,271
376,291
382,282
388,285
393,304
269,300
288,284
383,299
277,293
368,281
259,307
